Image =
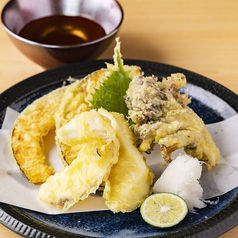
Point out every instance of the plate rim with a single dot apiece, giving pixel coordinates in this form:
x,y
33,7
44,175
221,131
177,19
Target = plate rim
x,y
8,213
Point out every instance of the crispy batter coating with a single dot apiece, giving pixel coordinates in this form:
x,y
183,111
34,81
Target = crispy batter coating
x,y
130,180
161,115
26,140
75,101
52,110
108,154
84,175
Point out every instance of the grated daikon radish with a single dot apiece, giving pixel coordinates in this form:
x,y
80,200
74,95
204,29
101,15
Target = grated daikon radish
x,y
181,178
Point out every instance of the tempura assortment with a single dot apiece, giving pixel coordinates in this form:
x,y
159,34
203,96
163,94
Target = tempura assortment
x,y
101,148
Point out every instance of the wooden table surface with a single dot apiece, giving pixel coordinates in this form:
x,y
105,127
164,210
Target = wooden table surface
x,y
198,35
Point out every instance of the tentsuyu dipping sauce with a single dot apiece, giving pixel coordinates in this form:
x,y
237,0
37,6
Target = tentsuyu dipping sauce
x,y
62,30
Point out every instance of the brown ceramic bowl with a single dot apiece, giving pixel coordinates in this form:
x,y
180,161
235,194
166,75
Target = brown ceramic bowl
x,y
18,13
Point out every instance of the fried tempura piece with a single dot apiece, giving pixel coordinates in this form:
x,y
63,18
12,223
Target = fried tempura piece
x,y
130,179
76,100
26,140
162,116
83,176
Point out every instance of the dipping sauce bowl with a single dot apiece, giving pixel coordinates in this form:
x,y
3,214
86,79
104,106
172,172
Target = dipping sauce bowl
x,y
56,32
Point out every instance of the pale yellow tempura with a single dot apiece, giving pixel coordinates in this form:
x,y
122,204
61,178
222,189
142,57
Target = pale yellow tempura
x,y
26,141
75,101
84,175
130,180
127,177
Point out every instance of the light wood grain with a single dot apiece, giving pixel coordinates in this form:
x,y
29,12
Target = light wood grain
x,y
198,35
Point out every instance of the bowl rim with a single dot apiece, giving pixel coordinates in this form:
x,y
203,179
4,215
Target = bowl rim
x,y
61,46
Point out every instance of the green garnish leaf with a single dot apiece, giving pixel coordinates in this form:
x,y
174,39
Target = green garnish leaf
x,y
110,94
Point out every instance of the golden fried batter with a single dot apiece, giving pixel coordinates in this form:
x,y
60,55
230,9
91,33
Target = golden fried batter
x,y
108,154
130,179
52,110
161,115
75,101
29,129
100,151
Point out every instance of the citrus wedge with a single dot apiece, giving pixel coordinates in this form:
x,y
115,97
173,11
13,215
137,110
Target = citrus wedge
x,y
163,210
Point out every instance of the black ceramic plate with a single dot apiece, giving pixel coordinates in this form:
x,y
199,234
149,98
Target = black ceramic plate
x,y
208,222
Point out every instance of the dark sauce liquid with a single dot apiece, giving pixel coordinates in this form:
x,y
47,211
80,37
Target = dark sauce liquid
x,y
62,30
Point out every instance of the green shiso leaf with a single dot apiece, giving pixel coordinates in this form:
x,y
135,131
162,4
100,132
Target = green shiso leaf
x,y
110,94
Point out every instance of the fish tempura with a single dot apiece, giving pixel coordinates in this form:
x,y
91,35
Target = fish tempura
x,y
84,175
130,179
